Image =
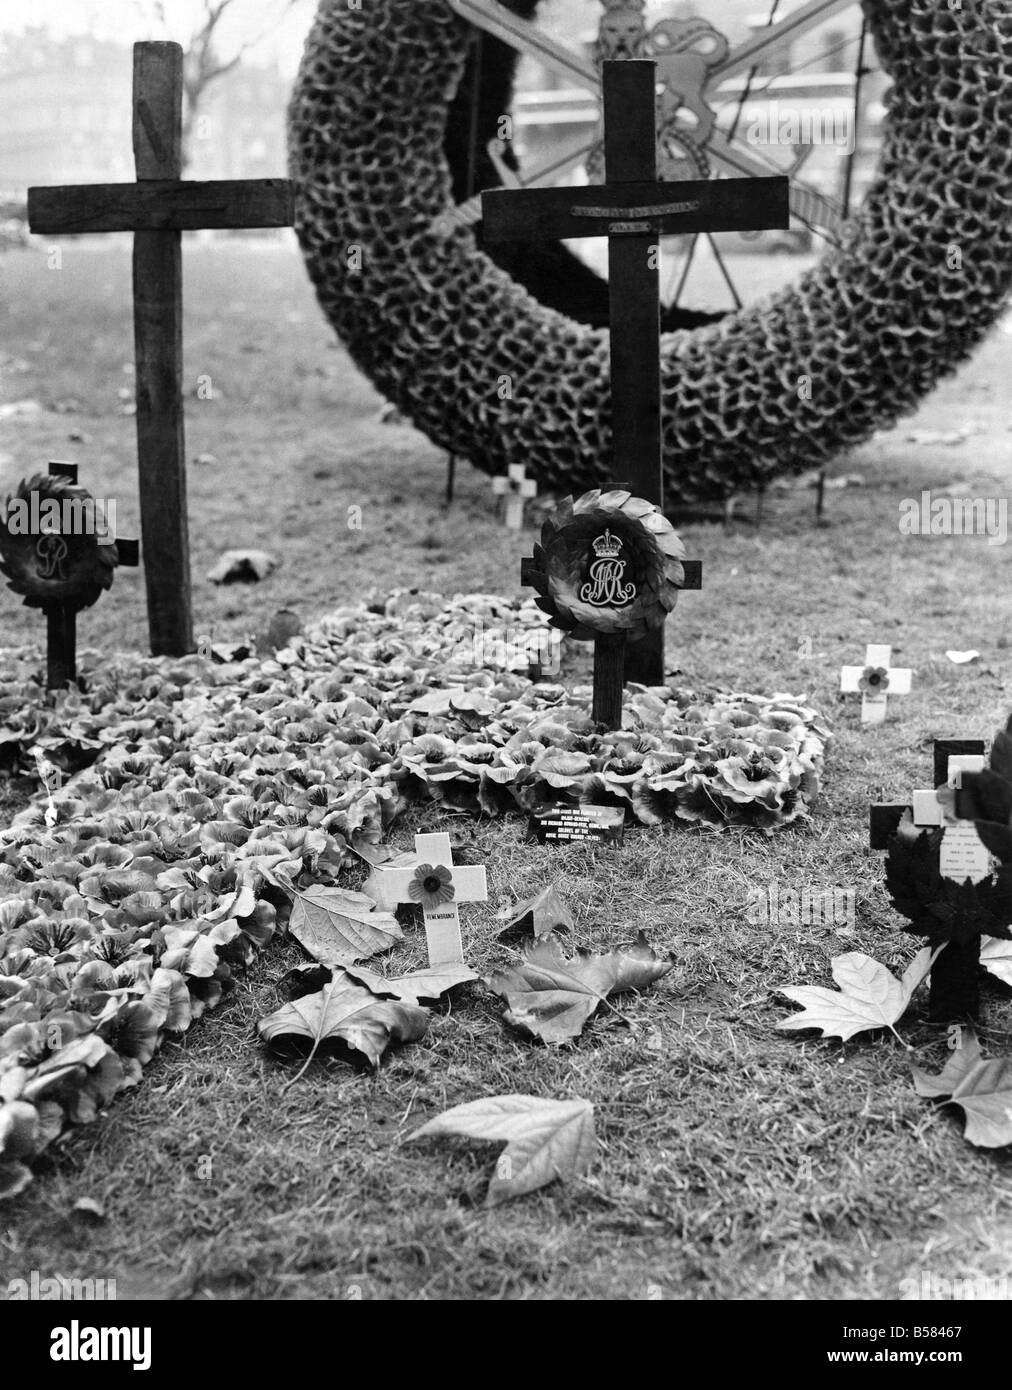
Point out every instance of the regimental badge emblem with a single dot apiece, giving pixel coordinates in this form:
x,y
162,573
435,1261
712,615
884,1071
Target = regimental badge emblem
x,y
604,587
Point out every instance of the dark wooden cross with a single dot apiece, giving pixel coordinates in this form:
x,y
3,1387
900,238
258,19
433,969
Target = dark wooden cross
x,y
158,208
633,209
885,818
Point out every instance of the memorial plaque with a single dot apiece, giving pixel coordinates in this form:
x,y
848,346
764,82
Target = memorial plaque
x,y
565,825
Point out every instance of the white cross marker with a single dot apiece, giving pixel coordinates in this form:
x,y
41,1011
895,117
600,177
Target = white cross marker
x,y
963,855
881,680
442,923
515,487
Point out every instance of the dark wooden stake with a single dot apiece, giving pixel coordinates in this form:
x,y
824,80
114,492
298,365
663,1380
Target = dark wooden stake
x,y
158,346
61,645
157,208
451,473
609,678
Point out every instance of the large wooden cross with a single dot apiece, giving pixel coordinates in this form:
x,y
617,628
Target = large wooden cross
x,y
633,209
157,209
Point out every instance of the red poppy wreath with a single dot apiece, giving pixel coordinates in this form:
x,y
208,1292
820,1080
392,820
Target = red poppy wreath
x,y
607,563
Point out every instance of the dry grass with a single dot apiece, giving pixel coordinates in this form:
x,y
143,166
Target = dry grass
x,y
735,1162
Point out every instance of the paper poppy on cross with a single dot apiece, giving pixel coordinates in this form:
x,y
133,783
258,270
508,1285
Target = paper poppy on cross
x,y
432,886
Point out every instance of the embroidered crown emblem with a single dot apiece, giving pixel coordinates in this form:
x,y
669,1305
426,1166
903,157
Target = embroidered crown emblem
x,y
606,547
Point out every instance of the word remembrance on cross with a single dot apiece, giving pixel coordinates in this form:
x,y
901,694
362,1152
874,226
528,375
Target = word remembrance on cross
x,y
633,209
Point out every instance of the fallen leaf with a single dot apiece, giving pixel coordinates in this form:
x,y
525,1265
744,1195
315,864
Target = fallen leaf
x,y
963,658
545,1139
242,566
551,996
982,1089
996,958
870,996
538,916
337,927
344,1010
420,984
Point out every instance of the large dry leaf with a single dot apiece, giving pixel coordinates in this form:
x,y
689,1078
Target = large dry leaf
x,y
870,996
545,1139
996,957
982,1089
344,1010
538,916
338,927
420,984
551,996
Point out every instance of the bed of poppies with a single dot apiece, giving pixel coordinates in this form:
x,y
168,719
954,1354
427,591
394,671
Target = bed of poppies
x,y
137,881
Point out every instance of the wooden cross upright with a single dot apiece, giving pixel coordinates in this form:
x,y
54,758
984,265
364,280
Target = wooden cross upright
x,y
875,681
963,855
439,900
157,209
633,209
516,487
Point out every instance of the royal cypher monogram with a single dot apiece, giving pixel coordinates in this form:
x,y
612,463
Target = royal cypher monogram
x,y
52,551
605,589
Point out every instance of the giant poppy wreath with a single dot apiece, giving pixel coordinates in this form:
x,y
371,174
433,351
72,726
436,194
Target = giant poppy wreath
x,y
652,554
429,318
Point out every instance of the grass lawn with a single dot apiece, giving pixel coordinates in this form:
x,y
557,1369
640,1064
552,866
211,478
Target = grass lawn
x,y
735,1162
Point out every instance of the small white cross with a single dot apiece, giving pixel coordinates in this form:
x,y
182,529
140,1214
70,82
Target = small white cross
x,y
963,855
875,695
515,487
442,923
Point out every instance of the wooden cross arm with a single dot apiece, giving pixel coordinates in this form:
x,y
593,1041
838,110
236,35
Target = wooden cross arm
x,y
690,205
693,573
154,205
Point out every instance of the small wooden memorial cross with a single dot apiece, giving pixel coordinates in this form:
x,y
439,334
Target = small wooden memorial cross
x,y
60,565
438,885
157,209
876,680
516,487
962,855
633,209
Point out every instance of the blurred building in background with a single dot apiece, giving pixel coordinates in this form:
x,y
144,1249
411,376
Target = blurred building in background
x,y
65,116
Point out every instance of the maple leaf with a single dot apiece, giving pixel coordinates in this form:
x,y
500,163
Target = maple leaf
x,y
551,996
420,984
981,1088
996,957
545,1139
345,1010
870,996
538,916
337,926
